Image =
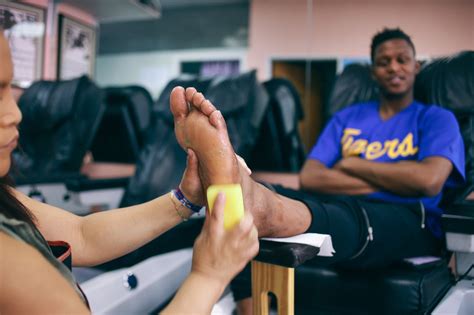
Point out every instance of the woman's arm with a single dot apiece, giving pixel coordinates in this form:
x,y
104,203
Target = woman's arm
x,y
103,236
30,285
315,176
218,256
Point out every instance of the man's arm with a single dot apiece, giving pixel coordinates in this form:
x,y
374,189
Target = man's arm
x,y
315,176
407,178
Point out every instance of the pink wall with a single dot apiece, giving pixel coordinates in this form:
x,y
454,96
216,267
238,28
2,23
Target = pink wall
x,y
51,38
343,28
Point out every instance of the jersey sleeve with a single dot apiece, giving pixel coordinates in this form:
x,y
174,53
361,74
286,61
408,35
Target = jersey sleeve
x,y
328,146
440,136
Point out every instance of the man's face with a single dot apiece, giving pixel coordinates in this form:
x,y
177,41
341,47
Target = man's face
x,y
395,67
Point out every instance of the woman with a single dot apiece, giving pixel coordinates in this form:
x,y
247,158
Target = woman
x,y
33,281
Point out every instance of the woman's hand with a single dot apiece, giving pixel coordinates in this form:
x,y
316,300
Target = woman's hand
x,y
220,254
191,183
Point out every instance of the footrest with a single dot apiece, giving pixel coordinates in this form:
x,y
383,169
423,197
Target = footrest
x,y
285,254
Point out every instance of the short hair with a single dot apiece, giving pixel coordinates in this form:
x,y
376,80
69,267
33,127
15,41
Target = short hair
x,y
388,34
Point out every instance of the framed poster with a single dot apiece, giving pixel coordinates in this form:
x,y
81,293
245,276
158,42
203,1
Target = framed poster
x,y
24,29
76,55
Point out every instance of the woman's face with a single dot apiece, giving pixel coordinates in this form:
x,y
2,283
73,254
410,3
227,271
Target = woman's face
x,y
10,115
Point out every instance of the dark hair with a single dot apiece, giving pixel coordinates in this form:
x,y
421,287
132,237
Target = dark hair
x,y
12,207
388,34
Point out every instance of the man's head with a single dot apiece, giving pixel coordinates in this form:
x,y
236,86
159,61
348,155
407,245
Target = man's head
x,y
393,63
386,35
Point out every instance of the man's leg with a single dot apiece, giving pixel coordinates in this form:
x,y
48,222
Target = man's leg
x,y
202,128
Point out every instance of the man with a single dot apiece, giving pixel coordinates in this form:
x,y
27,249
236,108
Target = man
x,y
381,166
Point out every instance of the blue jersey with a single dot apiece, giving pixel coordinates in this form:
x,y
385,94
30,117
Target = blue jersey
x,y
415,133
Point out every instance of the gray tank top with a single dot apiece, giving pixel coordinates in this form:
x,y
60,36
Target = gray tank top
x,y
22,231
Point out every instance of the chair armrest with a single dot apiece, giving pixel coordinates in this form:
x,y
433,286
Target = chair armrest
x,y
459,218
285,254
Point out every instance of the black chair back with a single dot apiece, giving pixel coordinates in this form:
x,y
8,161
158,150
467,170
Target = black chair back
x,y
123,128
449,82
59,122
279,147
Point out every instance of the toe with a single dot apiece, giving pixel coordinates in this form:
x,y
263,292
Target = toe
x,y
190,91
178,104
207,108
217,120
197,99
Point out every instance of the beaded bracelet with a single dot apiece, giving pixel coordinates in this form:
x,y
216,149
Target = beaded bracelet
x,y
176,206
185,201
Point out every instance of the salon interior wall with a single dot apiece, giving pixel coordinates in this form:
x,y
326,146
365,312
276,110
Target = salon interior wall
x,y
339,29
153,70
51,36
150,52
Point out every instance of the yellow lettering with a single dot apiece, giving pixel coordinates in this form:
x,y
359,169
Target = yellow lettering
x,y
391,148
348,139
374,150
406,146
357,147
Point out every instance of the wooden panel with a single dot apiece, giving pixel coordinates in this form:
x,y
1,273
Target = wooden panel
x,y
275,279
310,126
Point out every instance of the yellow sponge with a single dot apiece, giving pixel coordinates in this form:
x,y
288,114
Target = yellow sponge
x,y
234,202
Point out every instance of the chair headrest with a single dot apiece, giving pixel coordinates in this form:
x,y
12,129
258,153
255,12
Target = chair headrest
x,y
59,121
137,100
448,82
353,85
46,103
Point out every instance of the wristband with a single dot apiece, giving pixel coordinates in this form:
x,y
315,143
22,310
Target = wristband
x,y
185,201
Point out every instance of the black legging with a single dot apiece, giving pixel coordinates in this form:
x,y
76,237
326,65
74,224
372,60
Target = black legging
x,y
397,233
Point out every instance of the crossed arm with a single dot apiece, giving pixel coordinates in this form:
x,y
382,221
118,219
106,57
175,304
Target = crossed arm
x,y
356,176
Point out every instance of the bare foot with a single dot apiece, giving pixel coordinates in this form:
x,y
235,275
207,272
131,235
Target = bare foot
x,y
199,126
182,102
